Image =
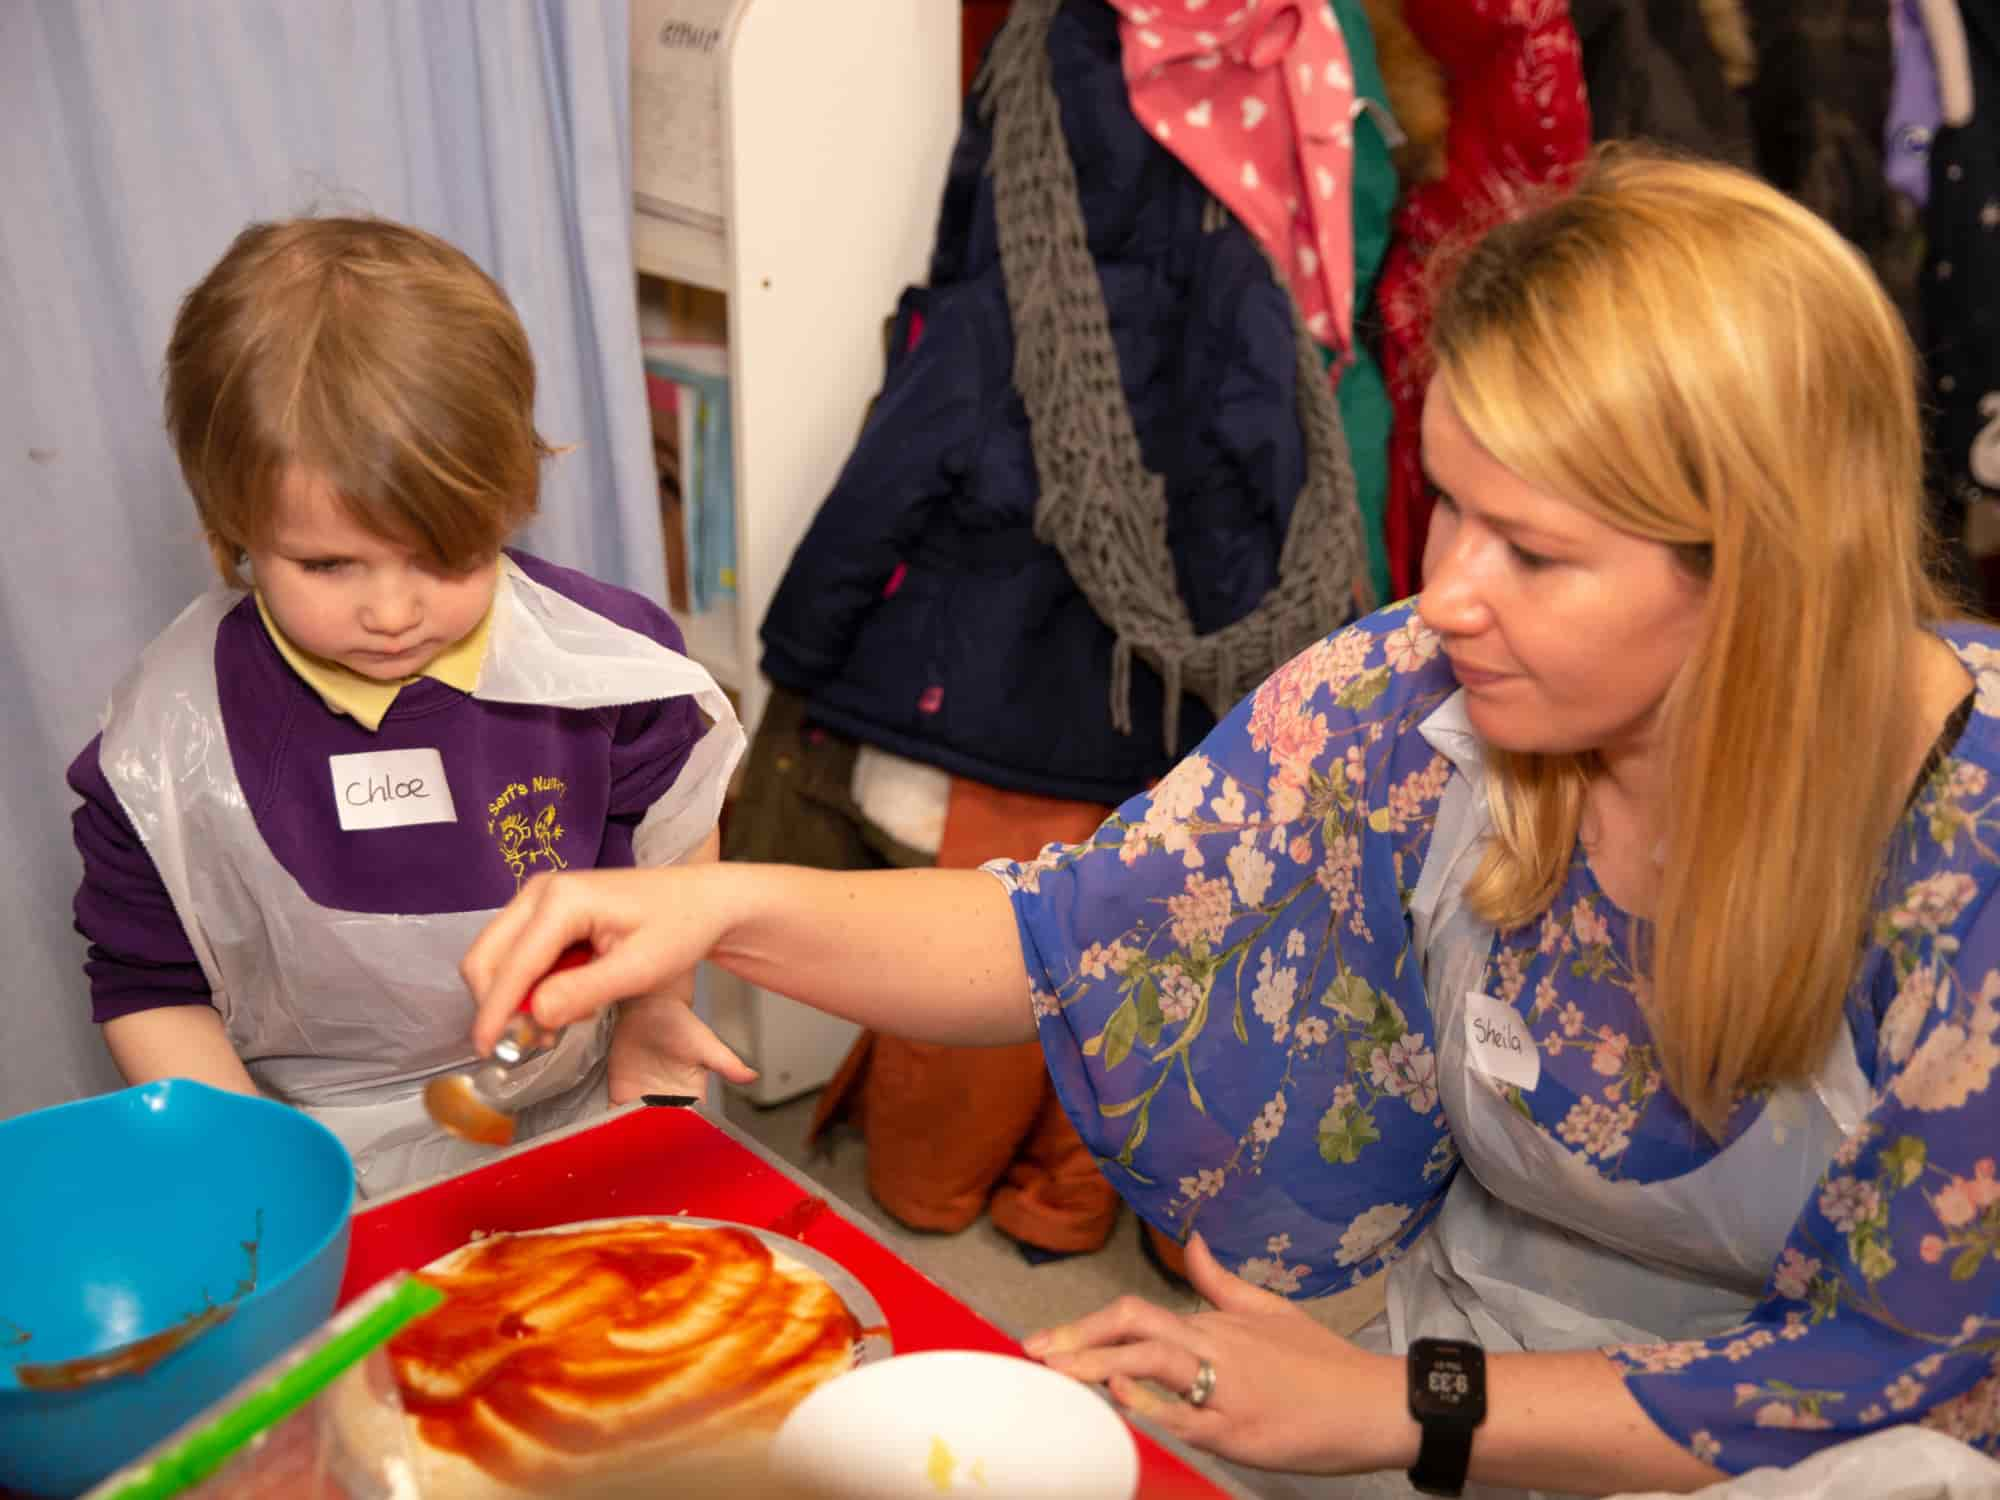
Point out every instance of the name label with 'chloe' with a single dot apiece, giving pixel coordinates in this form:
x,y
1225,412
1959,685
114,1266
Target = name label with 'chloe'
x,y
391,789
1498,1042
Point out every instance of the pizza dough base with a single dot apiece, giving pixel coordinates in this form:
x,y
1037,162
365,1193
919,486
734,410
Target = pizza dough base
x,y
735,1464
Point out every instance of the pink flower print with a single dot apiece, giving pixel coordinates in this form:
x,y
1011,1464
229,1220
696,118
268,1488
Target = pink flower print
x,y
1954,1204
1545,996
1906,1014
1962,1200
1201,913
1274,996
1410,798
1931,1248
1949,1068
1409,646
1793,1277
1370,1233
1596,1129
1406,1069
1179,795
1204,1184
1971,1418
1608,1056
1101,960
1270,1120
1933,904
1590,928
1287,691
1273,1274
1660,1359
1851,1144
1296,741
1227,806
1178,995
1784,1414
1285,798
1251,870
1848,1202
1985,1190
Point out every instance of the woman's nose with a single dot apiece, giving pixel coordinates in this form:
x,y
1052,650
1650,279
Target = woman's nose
x,y
1451,602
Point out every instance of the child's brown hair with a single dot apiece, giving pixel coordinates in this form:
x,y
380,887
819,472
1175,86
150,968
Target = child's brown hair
x,y
378,357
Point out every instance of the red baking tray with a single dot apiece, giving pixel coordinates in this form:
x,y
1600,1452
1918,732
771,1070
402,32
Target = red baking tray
x,y
669,1160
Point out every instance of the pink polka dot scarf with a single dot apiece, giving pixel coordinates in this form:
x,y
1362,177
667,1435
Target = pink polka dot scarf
x,y
1257,99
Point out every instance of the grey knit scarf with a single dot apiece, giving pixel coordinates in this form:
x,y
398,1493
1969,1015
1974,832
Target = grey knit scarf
x,y
1100,506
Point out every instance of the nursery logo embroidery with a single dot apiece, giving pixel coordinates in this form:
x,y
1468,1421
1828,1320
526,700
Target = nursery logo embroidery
x,y
527,827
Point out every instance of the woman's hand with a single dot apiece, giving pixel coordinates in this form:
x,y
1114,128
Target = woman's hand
x,y
649,929
1288,1394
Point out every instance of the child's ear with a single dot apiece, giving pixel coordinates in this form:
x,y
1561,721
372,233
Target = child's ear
x,y
229,559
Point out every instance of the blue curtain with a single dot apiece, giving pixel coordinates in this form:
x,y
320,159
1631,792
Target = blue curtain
x,y
138,139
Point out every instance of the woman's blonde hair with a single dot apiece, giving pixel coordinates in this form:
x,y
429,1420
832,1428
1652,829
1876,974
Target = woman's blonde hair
x,y
377,357
1698,360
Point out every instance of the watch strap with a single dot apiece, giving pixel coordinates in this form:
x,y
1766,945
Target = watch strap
x,y
1443,1456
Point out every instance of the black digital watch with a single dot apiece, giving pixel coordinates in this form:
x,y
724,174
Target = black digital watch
x,y
1448,1400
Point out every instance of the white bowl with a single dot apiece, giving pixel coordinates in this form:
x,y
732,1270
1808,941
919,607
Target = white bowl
x,y
956,1422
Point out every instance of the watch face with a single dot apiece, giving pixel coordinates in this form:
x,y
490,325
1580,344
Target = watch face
x,y
1447,1380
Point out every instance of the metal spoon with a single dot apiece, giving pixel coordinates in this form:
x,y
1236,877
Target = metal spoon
x,y
479,1104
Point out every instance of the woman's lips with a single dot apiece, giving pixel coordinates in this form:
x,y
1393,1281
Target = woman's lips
x,y
1470,676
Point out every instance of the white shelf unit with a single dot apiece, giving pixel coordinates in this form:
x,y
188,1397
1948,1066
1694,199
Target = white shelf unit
x,y
838,118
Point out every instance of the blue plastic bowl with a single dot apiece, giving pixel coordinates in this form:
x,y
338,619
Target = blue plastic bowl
x,y
128,1213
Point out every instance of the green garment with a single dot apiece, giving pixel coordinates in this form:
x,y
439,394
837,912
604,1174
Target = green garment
x,y
1362,394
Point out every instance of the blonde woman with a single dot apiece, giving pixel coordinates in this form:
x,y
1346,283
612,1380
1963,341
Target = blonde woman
x,y
1603,940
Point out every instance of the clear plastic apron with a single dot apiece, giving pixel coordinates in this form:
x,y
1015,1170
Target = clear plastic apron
x,y
1533,1250
347,1014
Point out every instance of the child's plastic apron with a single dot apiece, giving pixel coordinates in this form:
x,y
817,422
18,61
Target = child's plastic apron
x,y
347,1014
1533,1250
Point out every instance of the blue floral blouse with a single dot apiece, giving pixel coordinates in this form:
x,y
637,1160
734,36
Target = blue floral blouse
x,y
1234,1019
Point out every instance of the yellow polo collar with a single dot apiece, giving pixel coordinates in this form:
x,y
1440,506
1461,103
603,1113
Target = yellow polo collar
x,y
365,700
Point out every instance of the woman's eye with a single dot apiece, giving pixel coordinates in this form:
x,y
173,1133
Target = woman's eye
x,y
1527,559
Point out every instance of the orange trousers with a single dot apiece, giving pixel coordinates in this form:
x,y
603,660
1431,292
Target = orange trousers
x,y
954,1130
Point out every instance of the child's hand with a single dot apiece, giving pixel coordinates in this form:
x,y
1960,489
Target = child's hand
x,y
662,1047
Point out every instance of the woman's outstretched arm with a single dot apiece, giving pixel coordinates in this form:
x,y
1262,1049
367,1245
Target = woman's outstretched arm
x,y
933,955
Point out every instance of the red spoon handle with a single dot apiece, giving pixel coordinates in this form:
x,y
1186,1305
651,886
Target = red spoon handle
x,y
575,956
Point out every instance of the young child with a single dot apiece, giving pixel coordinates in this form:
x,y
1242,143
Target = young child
x,y
320,782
